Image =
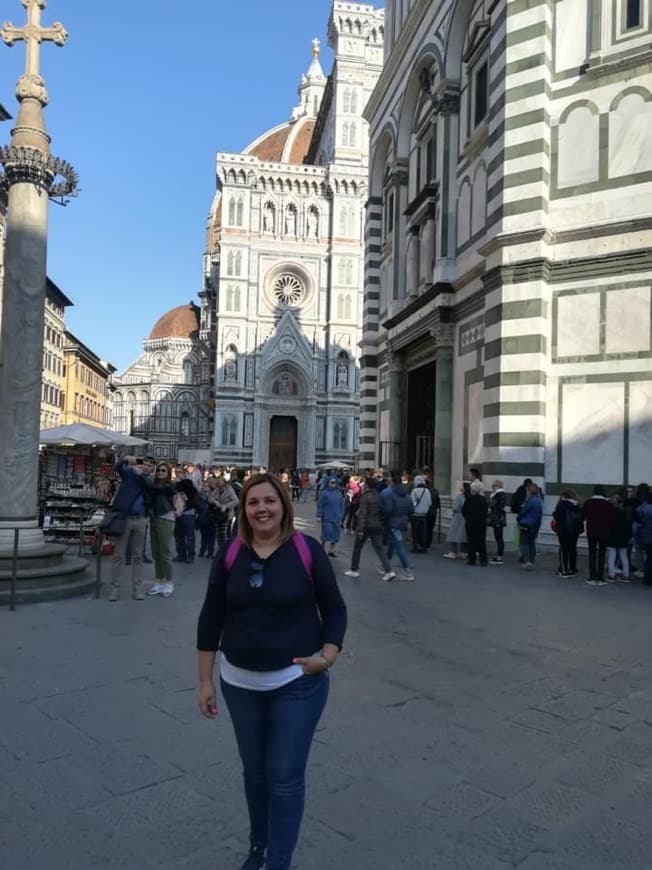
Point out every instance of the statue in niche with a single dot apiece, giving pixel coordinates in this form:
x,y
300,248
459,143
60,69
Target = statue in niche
x,y
342,374
312,223
230,370
285,385
268,218
291,222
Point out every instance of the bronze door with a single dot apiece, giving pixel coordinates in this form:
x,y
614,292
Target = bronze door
x,y
282,443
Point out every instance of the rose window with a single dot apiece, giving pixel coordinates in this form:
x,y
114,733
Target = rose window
x,y
288,289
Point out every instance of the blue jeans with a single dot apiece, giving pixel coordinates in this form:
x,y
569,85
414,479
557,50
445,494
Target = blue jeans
x,y
184,536
274,733
528,545
395,542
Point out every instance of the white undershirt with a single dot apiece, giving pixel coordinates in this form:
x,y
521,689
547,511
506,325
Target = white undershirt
x,y
257,681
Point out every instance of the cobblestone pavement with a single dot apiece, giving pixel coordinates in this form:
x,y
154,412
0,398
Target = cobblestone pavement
x,y
479,719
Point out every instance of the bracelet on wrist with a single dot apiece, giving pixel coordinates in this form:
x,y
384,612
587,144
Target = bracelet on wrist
x,y
326,662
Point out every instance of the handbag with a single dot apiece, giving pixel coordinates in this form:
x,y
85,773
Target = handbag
x,y
114,524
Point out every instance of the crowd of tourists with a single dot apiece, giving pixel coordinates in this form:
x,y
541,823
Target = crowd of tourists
x,y
618,528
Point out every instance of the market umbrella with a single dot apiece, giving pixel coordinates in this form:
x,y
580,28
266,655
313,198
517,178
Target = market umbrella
x,y
335,464
82,434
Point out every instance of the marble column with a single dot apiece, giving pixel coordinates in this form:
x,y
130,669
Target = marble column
x,y
21,363
30,172
443,418
396,404
412,264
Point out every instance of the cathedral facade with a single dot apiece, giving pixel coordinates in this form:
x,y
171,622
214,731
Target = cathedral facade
x,y
507,317
284,271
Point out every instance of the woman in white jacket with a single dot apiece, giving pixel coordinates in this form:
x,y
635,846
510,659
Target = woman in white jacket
x,y
457,531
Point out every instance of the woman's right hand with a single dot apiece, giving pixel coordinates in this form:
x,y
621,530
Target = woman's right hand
x,y
207,699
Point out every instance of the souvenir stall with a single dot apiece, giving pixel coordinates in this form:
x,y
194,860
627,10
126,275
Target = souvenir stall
x,y
75,480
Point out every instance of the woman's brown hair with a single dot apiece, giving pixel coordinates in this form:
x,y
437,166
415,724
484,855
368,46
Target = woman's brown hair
x,y
287,522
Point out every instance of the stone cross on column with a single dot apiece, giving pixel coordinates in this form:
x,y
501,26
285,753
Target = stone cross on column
x,y
33,34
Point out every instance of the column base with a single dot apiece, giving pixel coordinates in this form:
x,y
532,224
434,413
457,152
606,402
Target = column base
x,y
43,571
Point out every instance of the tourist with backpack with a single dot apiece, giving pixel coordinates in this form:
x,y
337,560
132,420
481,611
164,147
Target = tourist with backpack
x,y
275,613
398,508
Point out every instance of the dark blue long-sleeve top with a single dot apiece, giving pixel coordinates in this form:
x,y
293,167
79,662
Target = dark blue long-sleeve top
x,y
290,615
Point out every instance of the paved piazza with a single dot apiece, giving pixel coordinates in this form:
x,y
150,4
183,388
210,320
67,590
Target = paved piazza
x,y
480,719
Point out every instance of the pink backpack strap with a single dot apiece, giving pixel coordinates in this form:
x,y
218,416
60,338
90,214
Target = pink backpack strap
x,y
303,550
232,551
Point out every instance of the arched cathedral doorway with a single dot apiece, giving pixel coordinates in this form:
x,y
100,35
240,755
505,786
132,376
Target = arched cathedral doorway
x,y
283,437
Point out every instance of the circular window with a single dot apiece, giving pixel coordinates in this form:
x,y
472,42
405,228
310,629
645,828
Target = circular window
x,y
288,289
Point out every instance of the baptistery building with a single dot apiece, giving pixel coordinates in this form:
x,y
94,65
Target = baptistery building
x,y
507,313
284,270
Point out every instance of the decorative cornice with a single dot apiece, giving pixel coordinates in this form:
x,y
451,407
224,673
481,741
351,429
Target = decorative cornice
x,y
420,302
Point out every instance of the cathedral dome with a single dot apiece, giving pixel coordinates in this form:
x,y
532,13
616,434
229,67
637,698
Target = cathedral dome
x,y
287,143
180,322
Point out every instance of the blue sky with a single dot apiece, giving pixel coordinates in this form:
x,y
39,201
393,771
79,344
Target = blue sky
x,y
142,96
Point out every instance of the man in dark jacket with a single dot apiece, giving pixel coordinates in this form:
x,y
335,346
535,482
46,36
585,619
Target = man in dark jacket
x,y
129,500
518,498
370,525
398,508
599,514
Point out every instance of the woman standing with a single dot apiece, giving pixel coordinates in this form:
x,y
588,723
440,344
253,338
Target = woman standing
x,y
370,525
498,519
161,492
225,503
474,512
529,523
280,628
457,530
330,510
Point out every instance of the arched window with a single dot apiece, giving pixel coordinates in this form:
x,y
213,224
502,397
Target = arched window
x,y
229,429
239,209
184,424
354,103
230,262
344,221
341,272
352,136
346,308
346,100
348,274
345,134
340,434
187,371
237,267
231,211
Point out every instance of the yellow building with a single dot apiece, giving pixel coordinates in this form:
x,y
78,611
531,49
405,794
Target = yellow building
x,y
54,340
87,385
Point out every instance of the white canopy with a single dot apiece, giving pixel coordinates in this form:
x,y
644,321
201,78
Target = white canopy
x,y
335,464
82,434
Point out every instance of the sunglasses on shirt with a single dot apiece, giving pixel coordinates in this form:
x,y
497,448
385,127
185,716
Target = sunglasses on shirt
x,y
256,576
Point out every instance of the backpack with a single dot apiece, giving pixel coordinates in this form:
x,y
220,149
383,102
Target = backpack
x,y
299,541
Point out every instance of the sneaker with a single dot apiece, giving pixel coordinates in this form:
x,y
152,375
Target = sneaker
x,y
155,589
450,556
610,579
600,582
528,566
407,575
255,859
380,570
351,573
496,561
638,574
572,574
138,595
166,590
562,574
389,575
624,579
114,594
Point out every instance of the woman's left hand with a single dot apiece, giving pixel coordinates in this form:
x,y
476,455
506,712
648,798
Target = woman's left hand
x,y
312,665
